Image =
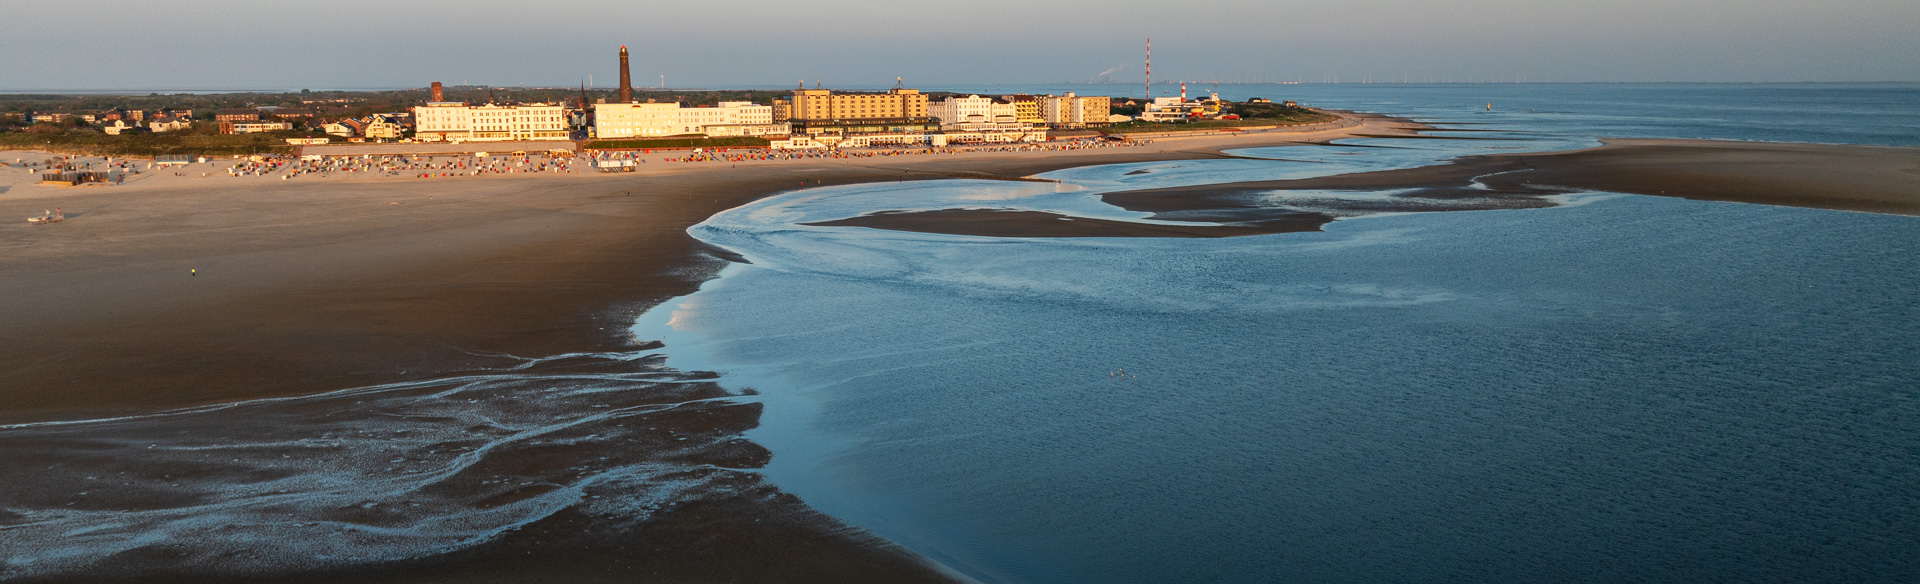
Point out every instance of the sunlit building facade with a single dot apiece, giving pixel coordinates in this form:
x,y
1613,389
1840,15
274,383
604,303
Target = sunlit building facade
x,y
459,122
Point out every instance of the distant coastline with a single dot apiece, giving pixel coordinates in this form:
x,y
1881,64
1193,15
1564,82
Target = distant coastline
x,y
953,87
311,285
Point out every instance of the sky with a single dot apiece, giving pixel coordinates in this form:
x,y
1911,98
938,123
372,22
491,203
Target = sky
x,y
341,44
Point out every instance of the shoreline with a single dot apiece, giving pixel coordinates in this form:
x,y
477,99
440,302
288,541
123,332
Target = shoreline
x,y
313,285
371,252
1873,179
174,291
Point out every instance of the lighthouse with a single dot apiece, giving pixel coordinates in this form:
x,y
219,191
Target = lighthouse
x,y
626,78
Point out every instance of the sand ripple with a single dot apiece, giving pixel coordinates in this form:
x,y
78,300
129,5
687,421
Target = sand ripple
x,y
367,474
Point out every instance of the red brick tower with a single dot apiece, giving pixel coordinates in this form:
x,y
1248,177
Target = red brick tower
x,y
626,79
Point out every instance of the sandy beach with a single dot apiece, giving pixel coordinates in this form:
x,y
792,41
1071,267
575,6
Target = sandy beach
x,y
177,291
170,291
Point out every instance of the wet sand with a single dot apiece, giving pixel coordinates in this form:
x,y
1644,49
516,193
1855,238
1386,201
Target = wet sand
x,y
1847,178
171,292
1012,223
313,284
306,286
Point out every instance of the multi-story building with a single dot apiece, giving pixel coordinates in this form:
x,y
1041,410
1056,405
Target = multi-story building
x,y
732,118
1072,111
975,113
459,122
637,120
650,120
1027,109
821,111
237,115
384,127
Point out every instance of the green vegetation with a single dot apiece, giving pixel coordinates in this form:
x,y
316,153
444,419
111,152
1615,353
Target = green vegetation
x,y
685,142
332,104
148,145
1275,111
1251,114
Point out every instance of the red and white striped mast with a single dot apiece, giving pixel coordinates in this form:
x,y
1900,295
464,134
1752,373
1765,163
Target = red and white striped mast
x,y
1149,69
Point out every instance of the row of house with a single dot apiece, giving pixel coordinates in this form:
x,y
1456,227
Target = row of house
x,y
114,115
382,126
815,113
379,126
237,121
271,113
1181,109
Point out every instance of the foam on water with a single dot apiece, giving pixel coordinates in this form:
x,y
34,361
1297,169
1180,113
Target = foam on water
x,y
357,476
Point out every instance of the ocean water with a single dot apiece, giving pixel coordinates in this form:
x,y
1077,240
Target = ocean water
x,y
1832,113
1616,388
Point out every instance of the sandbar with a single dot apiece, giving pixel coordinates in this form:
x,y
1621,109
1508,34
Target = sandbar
x,y
194,288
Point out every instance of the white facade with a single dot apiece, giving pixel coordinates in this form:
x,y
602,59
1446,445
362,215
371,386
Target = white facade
x,y
459,122
169,124
255,127
975,113
780,129
636,120
1170,109
728,113
384,127
441,120
653,120
935,139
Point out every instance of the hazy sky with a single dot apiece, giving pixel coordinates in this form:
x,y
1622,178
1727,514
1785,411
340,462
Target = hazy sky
x,y
228,44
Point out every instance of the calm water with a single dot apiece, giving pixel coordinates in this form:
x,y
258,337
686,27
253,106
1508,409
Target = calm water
x,y
1619,388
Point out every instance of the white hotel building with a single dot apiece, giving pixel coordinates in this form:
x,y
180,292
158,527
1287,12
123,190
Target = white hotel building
x,y
975,113
654,120
452,121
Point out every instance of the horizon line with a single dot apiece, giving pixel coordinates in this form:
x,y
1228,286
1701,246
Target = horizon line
x,y
782,87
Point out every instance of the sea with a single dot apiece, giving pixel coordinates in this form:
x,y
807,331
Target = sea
x,y
1616,388
1613,388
